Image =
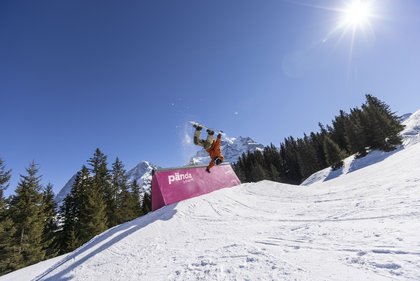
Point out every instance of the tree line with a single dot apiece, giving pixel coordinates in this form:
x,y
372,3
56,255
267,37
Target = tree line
x,y
373,126
33,228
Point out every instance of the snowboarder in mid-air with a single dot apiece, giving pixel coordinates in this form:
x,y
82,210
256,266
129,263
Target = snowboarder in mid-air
x,y
210,145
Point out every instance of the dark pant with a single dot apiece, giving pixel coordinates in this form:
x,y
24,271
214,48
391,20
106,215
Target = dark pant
x,y
204,143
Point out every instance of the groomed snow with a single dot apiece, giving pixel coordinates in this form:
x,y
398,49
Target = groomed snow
x,y
361,225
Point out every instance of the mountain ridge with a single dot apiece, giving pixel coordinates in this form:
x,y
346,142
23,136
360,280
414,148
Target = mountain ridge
x,y
232,149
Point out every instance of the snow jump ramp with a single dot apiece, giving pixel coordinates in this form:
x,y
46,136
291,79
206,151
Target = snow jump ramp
x,y
176,184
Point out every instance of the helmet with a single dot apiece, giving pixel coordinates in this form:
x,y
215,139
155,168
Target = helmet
x,y
218,161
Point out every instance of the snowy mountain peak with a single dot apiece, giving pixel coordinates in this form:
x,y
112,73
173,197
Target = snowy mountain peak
x,y
59,198
232,149
142,173
139,170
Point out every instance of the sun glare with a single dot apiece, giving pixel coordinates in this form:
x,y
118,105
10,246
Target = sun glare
x,y
353,19
356,14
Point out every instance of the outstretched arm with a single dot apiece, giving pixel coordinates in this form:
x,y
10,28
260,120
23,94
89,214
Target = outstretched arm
x,y
211,164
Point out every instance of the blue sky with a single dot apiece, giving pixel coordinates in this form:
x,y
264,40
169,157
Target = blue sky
x,y
126,76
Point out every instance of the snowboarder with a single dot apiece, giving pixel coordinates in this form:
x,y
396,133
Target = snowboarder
x,y
210,145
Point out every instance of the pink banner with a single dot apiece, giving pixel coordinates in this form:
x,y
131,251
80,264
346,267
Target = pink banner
x,y
177,184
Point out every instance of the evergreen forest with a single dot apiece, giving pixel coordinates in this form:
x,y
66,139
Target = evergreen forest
x,y
33,228
373,126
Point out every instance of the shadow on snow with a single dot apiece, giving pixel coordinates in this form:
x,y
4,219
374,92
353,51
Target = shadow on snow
x,y
373,157
123,230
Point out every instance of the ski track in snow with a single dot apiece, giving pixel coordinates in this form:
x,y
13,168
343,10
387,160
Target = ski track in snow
x,y
363,225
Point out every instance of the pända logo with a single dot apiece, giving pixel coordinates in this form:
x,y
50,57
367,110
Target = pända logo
x,y
187,177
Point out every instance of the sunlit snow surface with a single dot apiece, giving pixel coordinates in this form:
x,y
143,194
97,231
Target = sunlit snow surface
x,y
410,136
360,225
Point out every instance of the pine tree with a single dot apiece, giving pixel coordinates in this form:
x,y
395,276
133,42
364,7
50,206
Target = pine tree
x,y
8,248
307,157
245,166
9,257
237,167
128,200
135,197
338,132
121,210
290,162
146,204
258,173
333,154
274,173
4,179
272,162
385,126
93,219
28,217
68,240
90,207
355,130
83,212
50,238
102,192
73,233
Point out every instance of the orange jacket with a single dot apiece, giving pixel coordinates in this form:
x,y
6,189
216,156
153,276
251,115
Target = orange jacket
x,y
214,151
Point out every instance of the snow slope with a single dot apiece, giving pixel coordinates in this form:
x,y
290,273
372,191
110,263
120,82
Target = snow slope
x,y
362,225
411,133
410,136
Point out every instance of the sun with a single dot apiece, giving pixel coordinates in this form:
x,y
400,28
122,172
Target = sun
x,y
353,21
357,14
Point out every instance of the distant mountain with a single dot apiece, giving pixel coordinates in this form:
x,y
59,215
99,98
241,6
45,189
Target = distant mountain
x,y
232,149
59,198
142,173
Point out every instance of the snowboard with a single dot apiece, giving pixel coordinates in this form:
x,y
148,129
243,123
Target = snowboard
x,y
205,127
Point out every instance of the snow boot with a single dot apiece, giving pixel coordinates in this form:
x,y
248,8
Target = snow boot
x,y
197,127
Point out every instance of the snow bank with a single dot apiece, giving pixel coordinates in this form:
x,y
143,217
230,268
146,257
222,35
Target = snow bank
x,y
411,133
360,226
410,136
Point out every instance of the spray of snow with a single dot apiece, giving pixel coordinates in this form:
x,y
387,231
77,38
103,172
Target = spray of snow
x,y
187,144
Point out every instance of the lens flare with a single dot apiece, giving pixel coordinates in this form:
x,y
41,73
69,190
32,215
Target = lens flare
x,y
357,14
